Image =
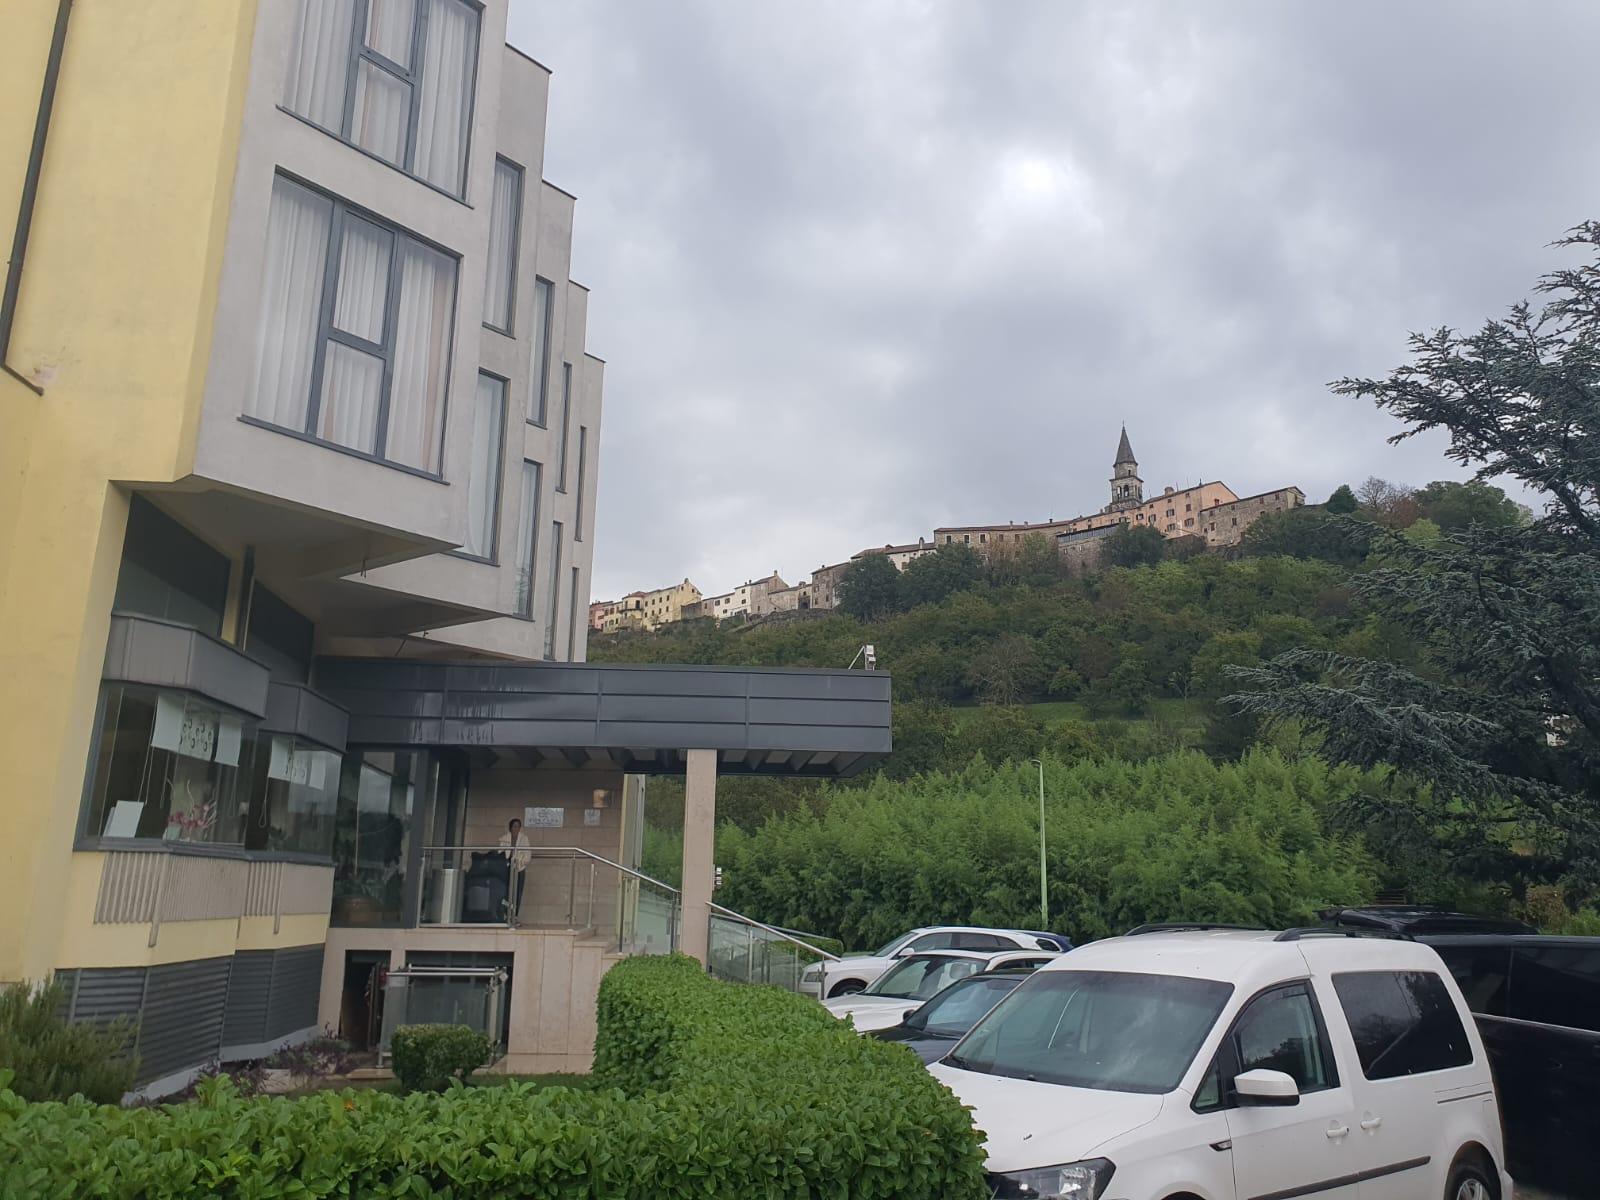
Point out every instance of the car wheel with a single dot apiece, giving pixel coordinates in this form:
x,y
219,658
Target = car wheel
x,y
848,987
1468,1182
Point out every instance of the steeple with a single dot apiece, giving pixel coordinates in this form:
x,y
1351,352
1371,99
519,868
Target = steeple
x,y
1124,451
1127,489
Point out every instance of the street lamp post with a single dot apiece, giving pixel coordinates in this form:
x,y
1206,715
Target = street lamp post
x,y
1044,887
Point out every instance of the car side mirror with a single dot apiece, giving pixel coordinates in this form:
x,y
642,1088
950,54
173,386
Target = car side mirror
x,y
1264,1088
903,951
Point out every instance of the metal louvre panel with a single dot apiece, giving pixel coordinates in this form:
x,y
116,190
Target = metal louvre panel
x,y
296,982
128,884
202,889
102,994
244,1021
181,1024
261,889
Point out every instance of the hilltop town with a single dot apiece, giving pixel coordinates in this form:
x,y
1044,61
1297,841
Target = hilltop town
x,y
1210,511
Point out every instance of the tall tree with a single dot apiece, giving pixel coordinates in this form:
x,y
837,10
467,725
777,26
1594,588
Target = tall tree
x,y
1132,546
929,578
1502,715
870,588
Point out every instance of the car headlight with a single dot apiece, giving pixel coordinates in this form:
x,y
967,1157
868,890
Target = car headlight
x,y
1072,1181
812,973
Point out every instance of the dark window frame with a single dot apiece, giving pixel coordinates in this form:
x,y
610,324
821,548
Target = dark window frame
x,y
1225,1060
385,351
554,615
412,77
583,464
515,247
523,610
540,391
566,427
493,557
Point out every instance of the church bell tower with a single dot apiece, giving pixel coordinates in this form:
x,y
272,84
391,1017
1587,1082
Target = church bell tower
x,y
1127,489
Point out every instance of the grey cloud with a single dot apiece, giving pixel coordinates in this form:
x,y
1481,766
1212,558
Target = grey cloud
x,y
860,269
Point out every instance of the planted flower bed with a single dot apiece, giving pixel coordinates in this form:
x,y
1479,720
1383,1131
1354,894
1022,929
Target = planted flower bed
x,y
705,1089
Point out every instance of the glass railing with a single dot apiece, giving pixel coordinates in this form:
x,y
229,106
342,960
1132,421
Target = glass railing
x,y
746,951
547,888
432,995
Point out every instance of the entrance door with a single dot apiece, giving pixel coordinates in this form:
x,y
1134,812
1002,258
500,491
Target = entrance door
x,y
361,999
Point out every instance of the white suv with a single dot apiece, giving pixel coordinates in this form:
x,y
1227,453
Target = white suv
x,y
1208,1064
918,978
843,976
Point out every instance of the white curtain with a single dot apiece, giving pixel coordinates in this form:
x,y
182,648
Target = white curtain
x,y
352,383
382,113
483,487
319,61
291,296
527,537
359,302
502,246
448,59
421,356
389,27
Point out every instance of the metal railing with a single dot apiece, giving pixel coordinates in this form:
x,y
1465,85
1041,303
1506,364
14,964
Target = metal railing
x,y
547,887
745,950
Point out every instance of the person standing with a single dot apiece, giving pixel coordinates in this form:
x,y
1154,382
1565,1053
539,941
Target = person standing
x,y
518,853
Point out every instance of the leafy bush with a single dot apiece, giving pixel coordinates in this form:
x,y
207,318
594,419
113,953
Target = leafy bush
x,y
1175,837
51,1058
428,1057
718,1090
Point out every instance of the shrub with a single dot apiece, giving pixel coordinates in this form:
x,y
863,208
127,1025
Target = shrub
x,y
720,1090
428,1057
51,1058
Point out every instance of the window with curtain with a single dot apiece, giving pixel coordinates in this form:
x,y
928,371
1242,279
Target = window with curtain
x,y
483,486
543,311
527,538
394,77
566,425
555,590
363,364
505,219
583,459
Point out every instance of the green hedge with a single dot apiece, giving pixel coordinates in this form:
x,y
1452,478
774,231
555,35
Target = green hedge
x,y
716,1090
427,1057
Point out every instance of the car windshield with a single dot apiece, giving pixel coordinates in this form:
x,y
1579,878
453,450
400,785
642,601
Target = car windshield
x,y
888,948
923,976
956,1009
1115,1031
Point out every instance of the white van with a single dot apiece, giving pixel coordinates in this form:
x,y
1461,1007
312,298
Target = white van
x,y
1203,1065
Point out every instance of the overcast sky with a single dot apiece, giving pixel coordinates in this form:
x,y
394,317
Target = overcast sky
x,y
865,267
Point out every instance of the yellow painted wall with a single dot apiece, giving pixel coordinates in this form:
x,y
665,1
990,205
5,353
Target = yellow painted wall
x,y
114,324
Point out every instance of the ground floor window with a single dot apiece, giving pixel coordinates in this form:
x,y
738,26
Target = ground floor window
x,y
294,789
168,766
372,835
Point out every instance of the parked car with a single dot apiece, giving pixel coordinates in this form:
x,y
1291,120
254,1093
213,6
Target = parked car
x,y
918,978
1226,1063
938,1024
854,973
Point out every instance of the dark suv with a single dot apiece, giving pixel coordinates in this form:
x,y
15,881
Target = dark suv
x,y
1537,1001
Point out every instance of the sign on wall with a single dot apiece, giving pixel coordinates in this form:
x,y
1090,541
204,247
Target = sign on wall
x,y
591,816
543,818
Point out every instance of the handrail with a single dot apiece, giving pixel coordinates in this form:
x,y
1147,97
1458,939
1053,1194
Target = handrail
x,y
772,929
576,851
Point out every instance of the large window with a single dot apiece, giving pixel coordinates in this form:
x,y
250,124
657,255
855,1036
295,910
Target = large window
x,y
293,790
354,345
393,77
278,637
583,459
169,573
555,590
566,426
1402,1022
543,319
483,485
505,218
527,538
168,767
572,619
372,836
